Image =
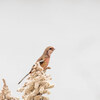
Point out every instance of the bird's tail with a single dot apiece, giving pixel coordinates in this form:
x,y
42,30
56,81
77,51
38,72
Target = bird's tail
x,y
26,75
23,78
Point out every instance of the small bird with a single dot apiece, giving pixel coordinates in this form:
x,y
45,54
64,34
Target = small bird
x,y
43,60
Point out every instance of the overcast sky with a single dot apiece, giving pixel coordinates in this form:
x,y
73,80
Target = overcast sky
x,y
27,27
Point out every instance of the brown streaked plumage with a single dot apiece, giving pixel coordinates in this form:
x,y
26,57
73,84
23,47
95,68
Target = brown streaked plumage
x,y
44,60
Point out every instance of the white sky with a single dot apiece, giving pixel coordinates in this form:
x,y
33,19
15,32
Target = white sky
x,y
27,27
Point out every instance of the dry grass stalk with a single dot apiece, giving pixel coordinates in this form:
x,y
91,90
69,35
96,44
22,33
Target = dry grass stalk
x,y
5,94
37,84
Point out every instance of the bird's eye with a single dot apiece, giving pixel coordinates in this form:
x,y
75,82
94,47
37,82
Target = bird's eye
x,y
50,49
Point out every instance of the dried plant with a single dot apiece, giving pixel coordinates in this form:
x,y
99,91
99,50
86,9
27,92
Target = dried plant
x,y
5,94
37,84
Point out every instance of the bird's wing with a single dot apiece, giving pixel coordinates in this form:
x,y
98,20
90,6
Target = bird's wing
x,y
41,61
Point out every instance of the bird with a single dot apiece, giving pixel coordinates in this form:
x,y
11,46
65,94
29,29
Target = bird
x,y
43,60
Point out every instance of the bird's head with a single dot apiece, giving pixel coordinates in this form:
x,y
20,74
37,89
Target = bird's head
x,y
48,51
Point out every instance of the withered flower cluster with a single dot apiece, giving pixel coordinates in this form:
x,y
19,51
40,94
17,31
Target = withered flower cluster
x,y
5,93
37,84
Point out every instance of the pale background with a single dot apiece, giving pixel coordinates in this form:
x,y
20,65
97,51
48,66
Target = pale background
x,y
71,26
